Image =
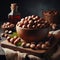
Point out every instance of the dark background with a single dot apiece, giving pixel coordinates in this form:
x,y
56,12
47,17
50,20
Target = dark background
x,y
28,7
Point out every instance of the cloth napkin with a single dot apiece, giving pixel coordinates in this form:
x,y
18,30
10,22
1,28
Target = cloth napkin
x,y
16,55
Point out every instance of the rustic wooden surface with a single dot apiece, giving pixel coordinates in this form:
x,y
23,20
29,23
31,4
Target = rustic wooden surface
x,y
39,53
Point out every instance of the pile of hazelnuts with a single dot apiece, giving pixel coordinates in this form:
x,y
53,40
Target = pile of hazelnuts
x,y
14,40
36,46
33,22
33,45
7,25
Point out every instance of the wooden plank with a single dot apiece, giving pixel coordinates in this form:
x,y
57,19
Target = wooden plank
x,y
39,53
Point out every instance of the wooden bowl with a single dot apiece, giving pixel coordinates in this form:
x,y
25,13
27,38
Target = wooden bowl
x,y
32,35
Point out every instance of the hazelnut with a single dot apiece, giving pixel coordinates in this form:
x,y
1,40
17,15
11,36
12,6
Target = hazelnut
x,y
4,23
18,22
38,25
33,16
15,37
6,35
43,46
8,38
19,39
27,45
30,21
43,25
38,21
2,34
32,46
7,26
20,25
6,31
54,26
23,44
38,46
47,43
29,26
11,40
36,17
35,22
26,22
42,21
8,23
16,41
29,17
10,32
26,18
11,25
24,26
22,19
33,26
46,22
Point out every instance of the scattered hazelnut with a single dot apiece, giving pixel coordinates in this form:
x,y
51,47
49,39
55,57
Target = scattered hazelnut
x,y
23,44
47,43
43,46
27,45
10,32
38,46
32,46
11,40
6,31
8,38
16,41
6,35
15,37
2,34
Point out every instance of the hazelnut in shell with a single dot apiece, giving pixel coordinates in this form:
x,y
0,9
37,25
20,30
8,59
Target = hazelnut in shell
x,y
47,43
38,46
43,46
11,40
23,44
16,41
2,34
15,37
8,38
6,31
32,46
27,45
6,35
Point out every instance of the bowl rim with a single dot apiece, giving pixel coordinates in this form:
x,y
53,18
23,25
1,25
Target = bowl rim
x,y
33,29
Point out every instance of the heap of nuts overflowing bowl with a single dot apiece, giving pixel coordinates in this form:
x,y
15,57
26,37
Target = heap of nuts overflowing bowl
x,y
7,26
33,31
32,22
